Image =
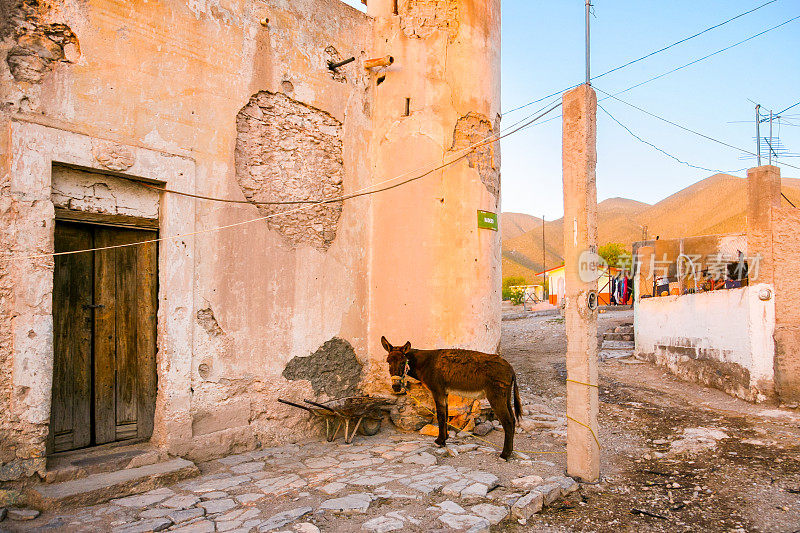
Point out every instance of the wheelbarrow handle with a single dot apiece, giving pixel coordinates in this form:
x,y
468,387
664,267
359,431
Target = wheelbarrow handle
x,y
287,402
322,406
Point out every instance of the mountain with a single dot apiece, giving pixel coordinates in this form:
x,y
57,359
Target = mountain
x,y
714,205
515,224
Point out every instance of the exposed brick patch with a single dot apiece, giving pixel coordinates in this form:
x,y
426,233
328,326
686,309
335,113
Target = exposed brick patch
x,y
206,319
421,18
471,129
38,44
333,369
286,150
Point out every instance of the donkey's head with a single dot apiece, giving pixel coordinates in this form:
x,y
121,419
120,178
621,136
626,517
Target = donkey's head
x,y
396,358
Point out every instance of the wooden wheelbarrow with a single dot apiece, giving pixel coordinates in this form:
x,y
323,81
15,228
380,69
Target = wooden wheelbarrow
x,y
355,413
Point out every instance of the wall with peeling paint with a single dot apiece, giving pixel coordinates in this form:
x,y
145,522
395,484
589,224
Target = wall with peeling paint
x,y
196,95
720,338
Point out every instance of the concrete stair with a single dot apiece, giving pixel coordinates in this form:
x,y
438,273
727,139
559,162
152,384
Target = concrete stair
x,y
618,343
88,477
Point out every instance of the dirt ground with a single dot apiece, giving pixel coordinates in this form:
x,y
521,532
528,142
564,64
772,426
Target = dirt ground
x,y
741,471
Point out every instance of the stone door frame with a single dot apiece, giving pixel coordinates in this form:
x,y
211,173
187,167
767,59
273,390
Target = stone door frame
x,y
33,150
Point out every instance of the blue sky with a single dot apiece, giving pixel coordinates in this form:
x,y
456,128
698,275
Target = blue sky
x,y
543,52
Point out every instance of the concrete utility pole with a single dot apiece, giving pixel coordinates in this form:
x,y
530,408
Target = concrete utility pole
x,y
758,133
579,160
588,51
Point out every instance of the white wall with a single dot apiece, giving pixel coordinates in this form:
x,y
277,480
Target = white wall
x,y
727,326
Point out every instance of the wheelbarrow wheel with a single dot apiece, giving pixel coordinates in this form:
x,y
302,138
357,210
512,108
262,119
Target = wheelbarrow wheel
x,y
370,426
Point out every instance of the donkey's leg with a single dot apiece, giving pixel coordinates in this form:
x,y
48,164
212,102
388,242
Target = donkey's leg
x,y
440,399
500,405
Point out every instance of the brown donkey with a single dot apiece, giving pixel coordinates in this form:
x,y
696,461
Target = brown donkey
x,y
462,372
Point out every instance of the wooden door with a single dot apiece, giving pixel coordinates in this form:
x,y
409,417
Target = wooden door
x,y
117,296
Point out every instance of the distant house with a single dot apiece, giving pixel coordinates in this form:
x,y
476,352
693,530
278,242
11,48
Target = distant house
x,y
555,283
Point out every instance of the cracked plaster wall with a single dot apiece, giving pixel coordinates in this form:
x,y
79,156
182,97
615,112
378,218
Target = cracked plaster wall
x,y
287,150
255,299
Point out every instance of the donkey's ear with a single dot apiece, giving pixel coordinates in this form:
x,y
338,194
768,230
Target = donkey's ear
x,y
385,344
406,347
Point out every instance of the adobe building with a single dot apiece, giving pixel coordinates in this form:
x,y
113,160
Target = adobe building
x,y
742,337
188,341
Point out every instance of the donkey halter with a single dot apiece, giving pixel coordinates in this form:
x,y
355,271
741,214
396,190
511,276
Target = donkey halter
x,y
401,379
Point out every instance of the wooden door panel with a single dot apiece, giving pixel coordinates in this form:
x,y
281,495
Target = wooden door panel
x,y
126,322
70,416
105,338
147,310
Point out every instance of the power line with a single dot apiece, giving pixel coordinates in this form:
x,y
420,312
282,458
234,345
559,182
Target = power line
x,y
494,137
642,57
788,108
709,55
362,192
684,127
626,128
683,40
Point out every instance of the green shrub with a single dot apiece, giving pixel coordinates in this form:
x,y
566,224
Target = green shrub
x,y
509,282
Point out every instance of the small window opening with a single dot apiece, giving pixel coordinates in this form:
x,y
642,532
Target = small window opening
x,y
394,7
407,111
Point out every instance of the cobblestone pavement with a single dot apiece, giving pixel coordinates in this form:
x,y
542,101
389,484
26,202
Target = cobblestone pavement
x,y
387,482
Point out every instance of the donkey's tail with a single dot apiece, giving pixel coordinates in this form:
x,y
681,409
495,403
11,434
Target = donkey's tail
x,y
517,401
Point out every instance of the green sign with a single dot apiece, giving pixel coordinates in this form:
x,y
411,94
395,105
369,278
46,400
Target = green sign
x,y
487,220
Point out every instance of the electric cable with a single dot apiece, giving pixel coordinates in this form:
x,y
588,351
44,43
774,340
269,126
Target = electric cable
x,y
723,143
710,55
494,137
362,192
683,40
634,135
645,57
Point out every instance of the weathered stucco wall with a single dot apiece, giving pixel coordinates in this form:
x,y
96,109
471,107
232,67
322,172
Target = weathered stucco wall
x,y
434,276
202,97
786,253
172,77
720,338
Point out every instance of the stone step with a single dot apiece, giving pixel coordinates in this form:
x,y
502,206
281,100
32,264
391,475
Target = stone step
x,y
618,336
625,328
614,354
104,486
618,345
76,464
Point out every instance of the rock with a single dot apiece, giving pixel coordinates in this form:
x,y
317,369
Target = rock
x,y
15,513
484,477
215,495
354,503
527,482
220,484
430,430
180,502
218,506
156,512
528,505
493,513
382,524
333,488
3,513
141,501
550,491
482,429
281,485
476,490
184,515
450,507
145,526
249,498
306,527
424,459
281,519
454,489
247,468
201,526
568,485
463,521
